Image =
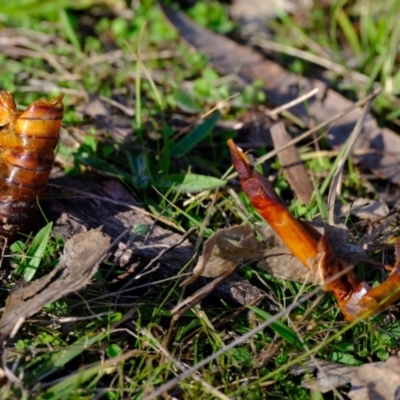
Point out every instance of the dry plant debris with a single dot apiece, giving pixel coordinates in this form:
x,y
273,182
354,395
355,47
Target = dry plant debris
x,y
226,249
363,208
372,381
79,262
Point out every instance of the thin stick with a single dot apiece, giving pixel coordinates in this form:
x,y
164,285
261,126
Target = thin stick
x,y
274,113
303,136
307,56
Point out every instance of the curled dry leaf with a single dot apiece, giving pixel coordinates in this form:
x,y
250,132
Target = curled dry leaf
x,y
279,262
331,375
79,262
365,209
230,247
373,381
225,250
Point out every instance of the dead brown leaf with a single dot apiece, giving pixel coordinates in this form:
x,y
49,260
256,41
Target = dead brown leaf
x,y
374,381
330,374
230,247
79,262
104,119
255,14
225,250
365,209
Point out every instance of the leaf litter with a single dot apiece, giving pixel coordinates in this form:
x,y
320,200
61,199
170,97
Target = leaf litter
x,y
79,262
373,381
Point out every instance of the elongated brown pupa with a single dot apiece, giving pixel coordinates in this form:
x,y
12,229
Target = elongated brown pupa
x,y
27,143
355,298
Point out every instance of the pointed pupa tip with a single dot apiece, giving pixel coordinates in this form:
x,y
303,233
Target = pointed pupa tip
x,y
7,103
44,109
240,161
237,153
57,101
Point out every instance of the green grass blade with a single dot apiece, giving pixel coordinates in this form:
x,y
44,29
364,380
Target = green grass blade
x,y
33,7
62,357
320,200
190,183
349,32
66,388
30,263
138,87
279,327
195,136
68,29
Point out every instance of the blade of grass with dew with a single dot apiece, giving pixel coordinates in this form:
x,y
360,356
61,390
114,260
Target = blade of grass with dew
x,y
200,132
194,221
391,59
325,184
279,327
60,358
349,32
32,7
165,155
151,81
190,183
165,158
68,29
138,87
320,200
369,32
66,389
336,8
140,174
34,255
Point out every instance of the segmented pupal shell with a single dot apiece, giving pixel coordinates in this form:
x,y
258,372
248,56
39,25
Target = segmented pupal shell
x,y
27,143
